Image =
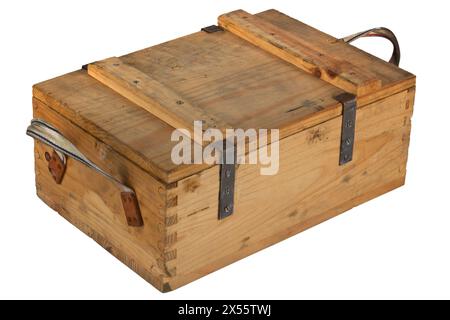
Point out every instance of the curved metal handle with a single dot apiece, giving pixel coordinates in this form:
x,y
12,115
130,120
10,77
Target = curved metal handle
x,y
44,132
379,32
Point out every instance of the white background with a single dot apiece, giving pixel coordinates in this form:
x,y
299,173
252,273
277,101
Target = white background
x,y
396,246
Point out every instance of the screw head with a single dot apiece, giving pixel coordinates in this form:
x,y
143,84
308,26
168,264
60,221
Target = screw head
x,y
228,173
348,141
228,208
349,123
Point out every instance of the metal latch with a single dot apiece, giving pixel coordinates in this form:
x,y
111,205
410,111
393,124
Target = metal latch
x,y
227,182
211,29
348,102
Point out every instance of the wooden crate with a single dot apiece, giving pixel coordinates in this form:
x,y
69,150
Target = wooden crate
x,y
254,71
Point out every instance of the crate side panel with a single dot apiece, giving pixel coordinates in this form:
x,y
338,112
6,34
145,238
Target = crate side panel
x,y
310,187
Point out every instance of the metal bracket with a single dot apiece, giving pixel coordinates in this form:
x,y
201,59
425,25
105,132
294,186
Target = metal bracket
x,y
56,165
131,208
348,102
211,29
226,184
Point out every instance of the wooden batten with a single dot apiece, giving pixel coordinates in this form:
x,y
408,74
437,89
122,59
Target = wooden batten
x,y
299,52
151,95
321,55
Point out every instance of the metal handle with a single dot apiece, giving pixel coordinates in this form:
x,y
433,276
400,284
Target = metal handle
x,y
379,32
47,134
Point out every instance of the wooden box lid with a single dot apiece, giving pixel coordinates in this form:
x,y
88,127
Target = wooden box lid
x,y
259,71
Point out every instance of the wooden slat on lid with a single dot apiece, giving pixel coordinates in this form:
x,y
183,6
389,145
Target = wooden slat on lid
x,y
393,79
314,52
300,52
151,95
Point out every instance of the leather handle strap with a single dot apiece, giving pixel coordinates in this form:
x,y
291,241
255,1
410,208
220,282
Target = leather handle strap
x,y
47,134
379,32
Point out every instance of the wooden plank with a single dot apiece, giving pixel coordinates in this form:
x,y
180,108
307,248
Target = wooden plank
x,y
253,247
393,79
158,99
388,90
96,208
303,54
310,187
